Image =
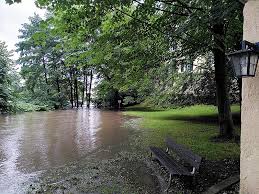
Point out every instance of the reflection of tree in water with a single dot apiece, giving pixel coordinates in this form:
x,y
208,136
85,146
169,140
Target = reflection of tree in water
x,y
111,131
48,140
88,122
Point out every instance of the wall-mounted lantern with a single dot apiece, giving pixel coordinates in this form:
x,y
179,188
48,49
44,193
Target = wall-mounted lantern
x,y
245,61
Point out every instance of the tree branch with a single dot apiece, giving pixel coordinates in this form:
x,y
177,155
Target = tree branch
x,y
242,1
157,29
183,5
163,10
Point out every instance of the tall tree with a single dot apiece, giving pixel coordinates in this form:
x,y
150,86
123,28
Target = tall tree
x,y
221,74
43,69
5,67
196,28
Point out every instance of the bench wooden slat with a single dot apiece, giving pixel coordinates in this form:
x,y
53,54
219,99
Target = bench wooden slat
x,y
184,153
172,166
223,185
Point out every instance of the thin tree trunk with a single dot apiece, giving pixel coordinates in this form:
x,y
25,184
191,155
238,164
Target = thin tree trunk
x,y
45,74
57,77
58,89
76,90
45,70
58,86
222,90
90,88
71,88
86,88
83,90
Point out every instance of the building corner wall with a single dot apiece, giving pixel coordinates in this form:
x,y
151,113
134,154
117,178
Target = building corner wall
x,y
249,177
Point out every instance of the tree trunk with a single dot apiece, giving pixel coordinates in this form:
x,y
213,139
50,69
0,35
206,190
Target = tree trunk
x,y
45,74
83,90
71,88
58,86
45,70
222,90
90,88
76,90
58,89
57,80
86,88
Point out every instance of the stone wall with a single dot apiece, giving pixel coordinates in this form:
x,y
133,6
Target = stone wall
x,y
250,110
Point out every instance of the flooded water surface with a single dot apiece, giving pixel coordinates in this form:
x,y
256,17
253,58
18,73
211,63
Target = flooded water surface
x,y
38,141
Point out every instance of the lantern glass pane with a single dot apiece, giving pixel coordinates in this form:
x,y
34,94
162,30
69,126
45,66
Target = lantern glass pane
x,y
244,64
235,59
253,63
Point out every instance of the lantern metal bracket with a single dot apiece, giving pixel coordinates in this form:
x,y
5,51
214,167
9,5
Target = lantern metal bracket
x,y
248,45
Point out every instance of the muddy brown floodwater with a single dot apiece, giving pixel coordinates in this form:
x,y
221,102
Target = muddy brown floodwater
x,y
31,143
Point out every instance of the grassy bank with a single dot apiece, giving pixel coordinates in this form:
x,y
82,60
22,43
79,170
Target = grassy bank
x,y
192,126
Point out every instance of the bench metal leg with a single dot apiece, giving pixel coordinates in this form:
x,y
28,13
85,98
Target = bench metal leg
x,y
169,183
152,157
193,181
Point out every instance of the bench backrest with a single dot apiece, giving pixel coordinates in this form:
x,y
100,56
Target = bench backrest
x,y
184,153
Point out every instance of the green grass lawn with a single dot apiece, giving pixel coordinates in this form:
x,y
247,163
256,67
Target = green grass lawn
x,y
192,126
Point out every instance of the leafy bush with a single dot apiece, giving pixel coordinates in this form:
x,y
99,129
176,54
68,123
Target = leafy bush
x,y
28,107
106,96
129,100
171,88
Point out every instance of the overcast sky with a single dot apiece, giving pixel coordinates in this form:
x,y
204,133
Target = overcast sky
x,y
11,18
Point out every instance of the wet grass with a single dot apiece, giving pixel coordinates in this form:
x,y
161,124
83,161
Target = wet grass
x,y
192,126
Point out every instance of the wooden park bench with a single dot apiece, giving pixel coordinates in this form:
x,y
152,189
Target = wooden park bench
x,y
177,167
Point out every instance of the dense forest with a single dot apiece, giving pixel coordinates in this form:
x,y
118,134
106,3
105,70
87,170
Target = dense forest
x,y
161,53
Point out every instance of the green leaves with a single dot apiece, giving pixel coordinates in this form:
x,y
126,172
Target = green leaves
x,y
5,76
12,1
129,44
39,38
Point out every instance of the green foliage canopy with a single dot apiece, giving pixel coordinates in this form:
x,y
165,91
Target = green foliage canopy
x,y
5,70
